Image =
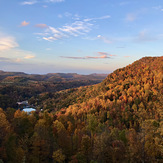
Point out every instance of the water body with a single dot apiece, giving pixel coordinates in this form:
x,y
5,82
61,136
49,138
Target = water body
x,y
28,110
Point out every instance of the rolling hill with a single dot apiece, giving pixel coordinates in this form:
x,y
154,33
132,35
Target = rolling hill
x,y
18,86
51,77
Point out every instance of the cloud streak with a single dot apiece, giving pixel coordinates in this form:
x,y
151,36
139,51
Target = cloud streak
x,y
101,55
98,18
104,53
75,29
38,1
7,42
41,26
29,2
87,57
29,57
17,55
4,61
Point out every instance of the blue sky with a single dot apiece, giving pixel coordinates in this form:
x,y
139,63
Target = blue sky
x,y
79,36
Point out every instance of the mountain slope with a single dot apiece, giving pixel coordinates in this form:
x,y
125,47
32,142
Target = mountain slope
x,y
142,79
125,112
140,82
118,120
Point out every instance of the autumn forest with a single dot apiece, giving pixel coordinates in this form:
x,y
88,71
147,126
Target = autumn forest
x,y
84,119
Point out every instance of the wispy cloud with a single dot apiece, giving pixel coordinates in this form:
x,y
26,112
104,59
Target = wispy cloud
x,y
52,34
69,15
18,60
7,42
87,57
75,29
110,40
104,39
41,26
76,17
52,30
105,53
101,55
24,23
29,57
10,52
98,18
73,57
112,55
4,59
32,2
29,2
9,61
17,55
53,38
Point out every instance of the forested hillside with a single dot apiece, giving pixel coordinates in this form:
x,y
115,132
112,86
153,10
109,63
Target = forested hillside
x,y
18,86
119,120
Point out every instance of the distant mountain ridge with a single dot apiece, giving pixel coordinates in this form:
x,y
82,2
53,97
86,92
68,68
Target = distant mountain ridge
x,y
19,86
7,76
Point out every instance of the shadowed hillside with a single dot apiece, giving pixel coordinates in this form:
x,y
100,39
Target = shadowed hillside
x,y
18,86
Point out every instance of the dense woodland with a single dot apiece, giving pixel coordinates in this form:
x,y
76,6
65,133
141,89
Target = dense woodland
x,y
18,86
119,120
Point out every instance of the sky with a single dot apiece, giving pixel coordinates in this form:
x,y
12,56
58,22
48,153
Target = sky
x,y
78,36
